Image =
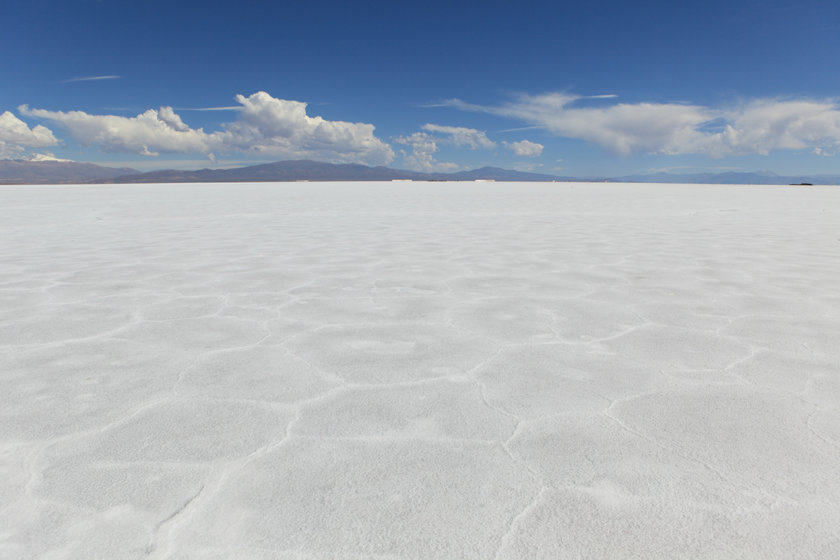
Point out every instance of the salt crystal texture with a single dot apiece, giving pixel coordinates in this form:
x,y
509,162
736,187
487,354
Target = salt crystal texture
x,y
420,370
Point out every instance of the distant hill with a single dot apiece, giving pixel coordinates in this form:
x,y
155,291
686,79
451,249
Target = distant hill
x,y
499,174
732,178
16,171
292,170
307,170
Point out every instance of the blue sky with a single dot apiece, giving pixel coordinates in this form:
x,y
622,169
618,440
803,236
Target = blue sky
x,y
584,89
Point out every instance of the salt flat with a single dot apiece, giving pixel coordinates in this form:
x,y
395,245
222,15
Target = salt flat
x,y
420,370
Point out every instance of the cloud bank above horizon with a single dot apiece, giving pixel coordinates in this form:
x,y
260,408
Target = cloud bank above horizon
x,y
266,126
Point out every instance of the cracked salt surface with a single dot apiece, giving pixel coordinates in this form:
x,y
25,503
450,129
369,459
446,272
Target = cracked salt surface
x,y
419,370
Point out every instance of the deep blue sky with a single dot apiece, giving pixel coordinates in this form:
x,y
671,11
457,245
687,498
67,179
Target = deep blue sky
x,y
765,68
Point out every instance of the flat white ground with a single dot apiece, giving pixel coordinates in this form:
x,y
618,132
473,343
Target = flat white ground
x,y
420,370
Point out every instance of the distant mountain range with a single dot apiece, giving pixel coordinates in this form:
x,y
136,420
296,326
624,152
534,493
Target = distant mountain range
x,y
56,172
16,171
732,178
307,170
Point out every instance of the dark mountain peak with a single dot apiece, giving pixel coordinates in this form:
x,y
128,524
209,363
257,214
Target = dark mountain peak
x,y
53,172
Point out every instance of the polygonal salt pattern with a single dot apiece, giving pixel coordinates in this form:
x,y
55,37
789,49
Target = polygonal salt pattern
x,y
366,498
421,370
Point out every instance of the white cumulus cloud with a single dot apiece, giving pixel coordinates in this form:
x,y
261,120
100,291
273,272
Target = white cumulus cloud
x,y
149,133
525,148
16,136
421,157
424,144
281,127
755,127
264,124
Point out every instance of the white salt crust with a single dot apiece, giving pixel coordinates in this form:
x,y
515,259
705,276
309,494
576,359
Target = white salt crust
x,y
419,370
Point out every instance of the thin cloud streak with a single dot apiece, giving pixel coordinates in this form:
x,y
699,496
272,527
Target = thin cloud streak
x,y
90,79
225,108
518,129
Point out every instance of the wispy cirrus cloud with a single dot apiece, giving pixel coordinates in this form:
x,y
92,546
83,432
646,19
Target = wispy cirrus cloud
x,y
756,126
91,79
462,136
222,108
621,128
520,128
